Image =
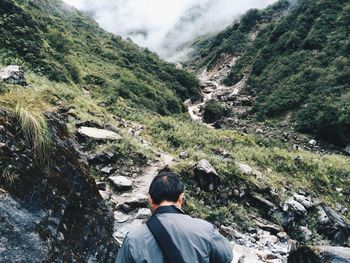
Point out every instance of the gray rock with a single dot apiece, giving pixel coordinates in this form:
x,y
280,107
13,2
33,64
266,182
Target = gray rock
x,y
54,218
104,157
268,226
329,254
231,232
138,201
98,134
106,195
332,225
20,240
206,176
245,168
306,202
13,75
262,202
296,207
305,233
121,182
335,254
184,155
143,213
120,217
107,169
312,142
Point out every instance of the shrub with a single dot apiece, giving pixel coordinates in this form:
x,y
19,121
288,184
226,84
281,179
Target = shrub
x,y
213,111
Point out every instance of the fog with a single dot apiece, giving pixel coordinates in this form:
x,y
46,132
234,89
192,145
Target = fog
x,y
166,26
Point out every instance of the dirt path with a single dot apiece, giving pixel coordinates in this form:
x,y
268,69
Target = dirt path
x,y
136,199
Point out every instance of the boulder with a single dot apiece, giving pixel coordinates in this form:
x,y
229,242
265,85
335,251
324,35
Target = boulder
x,y
104,157
295,207
231,232
143,213
305,233
107,169
184,155
120,218
245,168
106,195
312,142
332,225
98,134
13,75
53,212
305,201
206,176
121,182
134,202
261,202
334,254
329,254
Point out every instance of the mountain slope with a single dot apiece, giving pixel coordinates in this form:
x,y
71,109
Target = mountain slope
x,y
265,183
296,61
57,41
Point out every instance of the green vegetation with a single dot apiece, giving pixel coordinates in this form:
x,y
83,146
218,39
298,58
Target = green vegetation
x,y
72,64
298,62
236,38
213,111
30,108
280,165
65,45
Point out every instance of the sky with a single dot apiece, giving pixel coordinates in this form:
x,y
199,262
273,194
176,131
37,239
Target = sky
x,y
166,26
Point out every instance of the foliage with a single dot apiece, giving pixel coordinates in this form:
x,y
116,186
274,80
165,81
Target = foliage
x,y
298,62
280,165
213,111
67,46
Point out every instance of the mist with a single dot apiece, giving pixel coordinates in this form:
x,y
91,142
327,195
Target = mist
x,y
166,26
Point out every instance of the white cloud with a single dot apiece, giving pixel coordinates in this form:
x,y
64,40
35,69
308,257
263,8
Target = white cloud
x,y
165,26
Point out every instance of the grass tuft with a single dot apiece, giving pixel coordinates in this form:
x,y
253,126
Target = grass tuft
x,y
29,108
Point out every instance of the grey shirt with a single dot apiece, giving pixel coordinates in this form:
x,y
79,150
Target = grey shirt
x,y
196,239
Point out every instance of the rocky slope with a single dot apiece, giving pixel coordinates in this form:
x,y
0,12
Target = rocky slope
x,y
50,210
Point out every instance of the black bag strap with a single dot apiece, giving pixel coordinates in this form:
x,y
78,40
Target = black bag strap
x,y
166,244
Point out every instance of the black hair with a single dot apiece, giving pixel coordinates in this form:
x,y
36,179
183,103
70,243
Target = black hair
x,y
303,255
166,186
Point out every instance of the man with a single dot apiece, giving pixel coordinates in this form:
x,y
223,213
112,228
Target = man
x,y
195,240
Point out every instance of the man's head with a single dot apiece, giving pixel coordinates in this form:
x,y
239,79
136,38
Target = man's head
x,y
166,189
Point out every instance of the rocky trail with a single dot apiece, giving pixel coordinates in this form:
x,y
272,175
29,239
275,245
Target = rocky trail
x,y
132,206
126,191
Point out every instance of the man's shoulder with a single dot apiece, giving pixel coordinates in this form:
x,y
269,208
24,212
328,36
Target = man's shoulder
x,y
140,231
186,222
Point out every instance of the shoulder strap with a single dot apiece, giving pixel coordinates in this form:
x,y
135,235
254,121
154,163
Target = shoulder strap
x,y
164,240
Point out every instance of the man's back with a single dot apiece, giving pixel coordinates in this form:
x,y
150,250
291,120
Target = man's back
x,y
196,240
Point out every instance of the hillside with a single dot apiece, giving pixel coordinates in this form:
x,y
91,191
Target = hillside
x,y
100,117
296,62
56,41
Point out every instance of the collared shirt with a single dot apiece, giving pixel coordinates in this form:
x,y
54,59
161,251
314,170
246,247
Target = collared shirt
x,y
197,241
